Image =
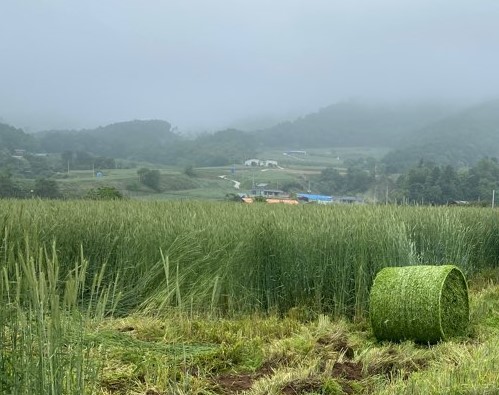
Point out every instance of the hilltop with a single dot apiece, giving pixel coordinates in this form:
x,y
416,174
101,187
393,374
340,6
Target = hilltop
x,y
459,140
351,124
413,132
137,139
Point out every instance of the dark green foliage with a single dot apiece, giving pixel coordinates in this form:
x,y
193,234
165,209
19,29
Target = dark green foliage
x,y
82,160
217,149
356,180
12,139
189,171
17,154
48,189
331,181
150,178
233,197
151,141
421,303
458,140
351,124
428,183
27,165
7,161
39,166
8,188
104,193
146,140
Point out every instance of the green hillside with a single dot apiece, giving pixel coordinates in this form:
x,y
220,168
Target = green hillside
x,y
458,140
12,138
145,140
346,124
430,132
352,124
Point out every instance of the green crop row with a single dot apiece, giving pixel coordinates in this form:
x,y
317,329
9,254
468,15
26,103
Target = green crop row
x,y
226,258
64,266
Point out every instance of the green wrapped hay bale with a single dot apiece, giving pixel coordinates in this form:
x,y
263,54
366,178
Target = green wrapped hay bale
x,y
421,303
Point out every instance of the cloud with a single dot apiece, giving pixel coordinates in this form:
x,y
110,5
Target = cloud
x,y
204,63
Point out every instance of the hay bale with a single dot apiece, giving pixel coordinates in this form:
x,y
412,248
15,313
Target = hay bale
x,y
421,303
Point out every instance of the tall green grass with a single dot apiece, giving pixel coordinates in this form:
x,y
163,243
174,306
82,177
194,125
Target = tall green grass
x,y
43,349
223,258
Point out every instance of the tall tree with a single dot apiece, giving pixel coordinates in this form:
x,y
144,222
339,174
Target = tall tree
x,y
48,189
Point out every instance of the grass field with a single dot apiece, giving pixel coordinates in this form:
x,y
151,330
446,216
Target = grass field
x,y
217,298
206,183
325,157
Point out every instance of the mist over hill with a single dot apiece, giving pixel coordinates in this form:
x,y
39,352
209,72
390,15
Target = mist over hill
x,y
459,140
340,125
152,141
440,133
349,124
12,138
133,140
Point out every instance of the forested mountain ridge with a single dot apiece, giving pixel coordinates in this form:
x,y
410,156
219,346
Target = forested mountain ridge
x,y
152,141
350,124
340,125
458,140
434,133
12,138
134,140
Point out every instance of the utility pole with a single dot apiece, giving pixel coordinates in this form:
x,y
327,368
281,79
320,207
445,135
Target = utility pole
x,y
493,197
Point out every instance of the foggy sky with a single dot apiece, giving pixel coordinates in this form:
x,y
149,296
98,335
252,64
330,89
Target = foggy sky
x,y
203,64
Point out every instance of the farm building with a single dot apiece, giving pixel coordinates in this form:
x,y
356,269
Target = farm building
x,y
258,162
269,163
252,162
267,192
348,199
262,190
307,197
324,199
458,203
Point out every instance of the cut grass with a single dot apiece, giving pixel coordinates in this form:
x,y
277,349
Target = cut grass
x,y
180,353
271,355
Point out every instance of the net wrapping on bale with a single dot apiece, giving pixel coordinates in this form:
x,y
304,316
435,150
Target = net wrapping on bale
x,y
420,303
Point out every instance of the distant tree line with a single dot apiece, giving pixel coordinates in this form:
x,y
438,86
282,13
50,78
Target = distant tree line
x,y
438,134
40,188
147,141
359,177
428,183
48,189
82,160
425,183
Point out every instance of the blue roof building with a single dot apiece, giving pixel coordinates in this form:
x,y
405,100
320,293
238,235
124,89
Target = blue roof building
x,y
308,197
